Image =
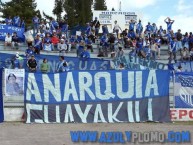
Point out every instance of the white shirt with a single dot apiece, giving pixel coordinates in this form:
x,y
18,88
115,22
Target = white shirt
x,y
116,27
8,39
62,47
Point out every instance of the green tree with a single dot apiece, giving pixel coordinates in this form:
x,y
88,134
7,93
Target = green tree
x,y
100,5
58,9
78,11
26,9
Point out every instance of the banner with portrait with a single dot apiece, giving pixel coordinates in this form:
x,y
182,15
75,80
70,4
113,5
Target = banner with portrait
x,y
14,83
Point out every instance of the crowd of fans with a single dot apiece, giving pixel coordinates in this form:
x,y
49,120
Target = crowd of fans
x,y
145,42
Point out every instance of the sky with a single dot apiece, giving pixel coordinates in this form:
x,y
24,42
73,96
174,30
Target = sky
x,y
154,11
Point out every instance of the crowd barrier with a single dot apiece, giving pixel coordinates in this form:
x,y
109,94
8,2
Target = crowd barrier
x,y
79,100
74,63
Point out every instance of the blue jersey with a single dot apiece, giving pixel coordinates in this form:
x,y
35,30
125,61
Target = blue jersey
x,y
16,63
47,40
79,38
105,30
23,24
85,54
37,43
169,25
29,52
131,26
131,35
173,46
88,30
149,28
65,28
36,20
16,21
139,27
139,45
54,25
8,21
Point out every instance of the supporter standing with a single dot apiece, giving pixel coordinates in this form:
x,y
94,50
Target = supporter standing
x,y
36,22
179,42
96,26
53,25
148,30
158,43
190,41
65,29
185,41
37,44
16,21
116,29
169,23
139,29
172,50
23,23
154,30
62,65
44,66
9,21
132,25
104,44
154,49
32,64
105,29
88,29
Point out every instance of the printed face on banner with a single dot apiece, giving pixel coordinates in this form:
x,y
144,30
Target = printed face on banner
x,y
14,82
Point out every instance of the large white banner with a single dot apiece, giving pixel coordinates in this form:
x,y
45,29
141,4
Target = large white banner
x,y
122,18
14,82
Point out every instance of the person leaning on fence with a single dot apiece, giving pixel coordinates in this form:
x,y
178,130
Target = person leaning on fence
x,y
85,54
62,65
17,61
32,64
62,47
29,52
44,66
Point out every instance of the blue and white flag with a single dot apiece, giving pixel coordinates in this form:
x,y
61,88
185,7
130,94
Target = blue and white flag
x,y
97,96
4,29
186,66
183,90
